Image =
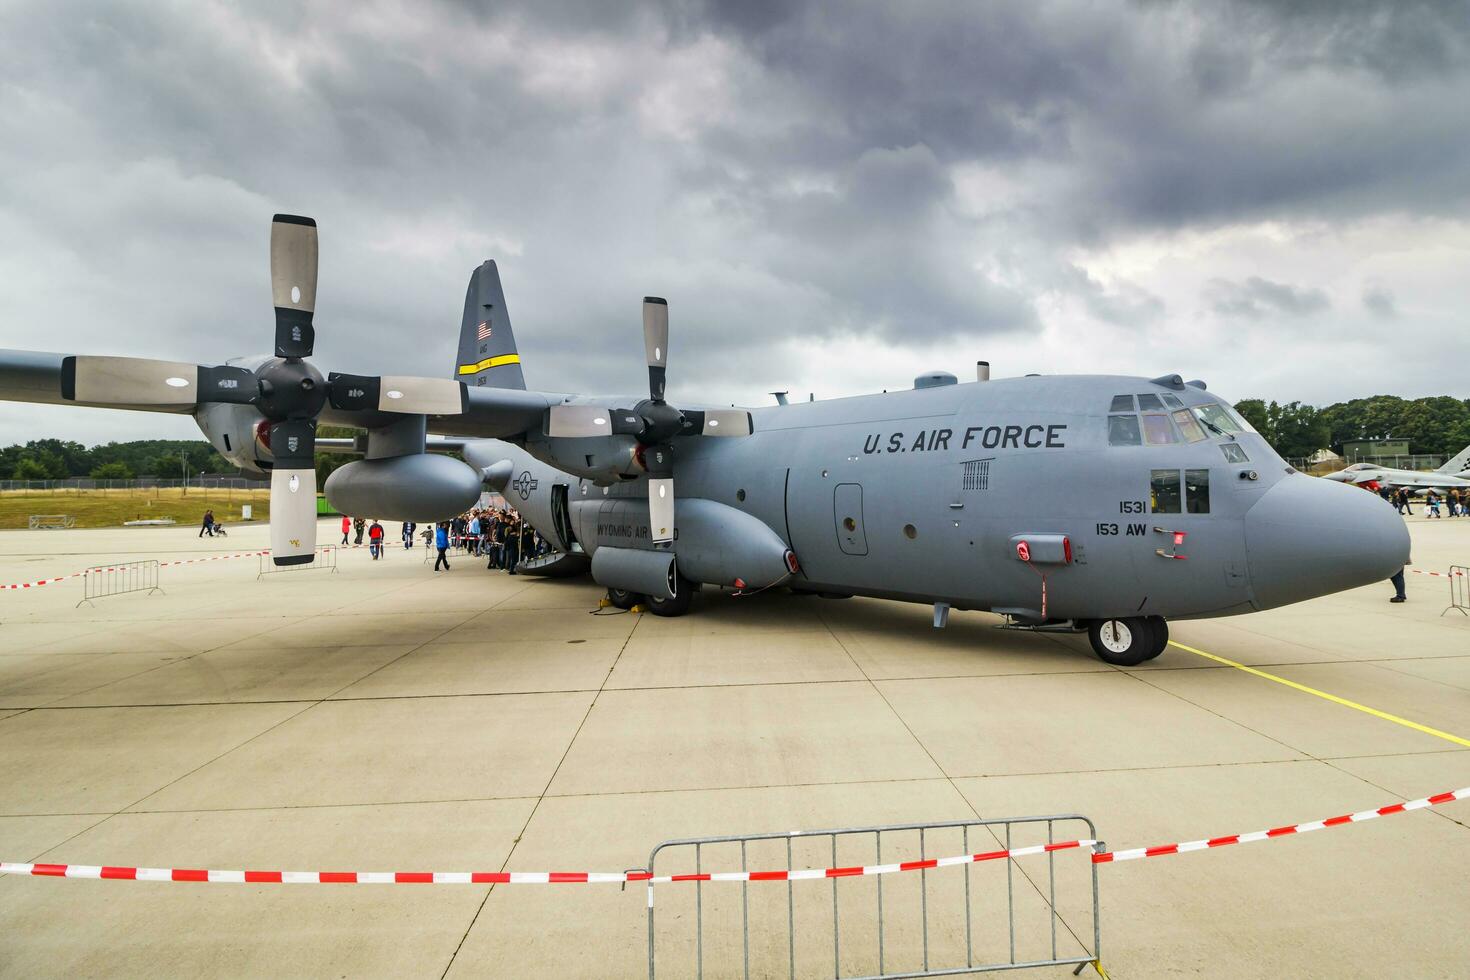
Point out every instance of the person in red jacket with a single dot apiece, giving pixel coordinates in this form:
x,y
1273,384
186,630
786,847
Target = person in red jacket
x,y
346,527
375,539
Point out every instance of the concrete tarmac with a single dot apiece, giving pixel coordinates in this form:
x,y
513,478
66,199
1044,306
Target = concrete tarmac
x,y
389,718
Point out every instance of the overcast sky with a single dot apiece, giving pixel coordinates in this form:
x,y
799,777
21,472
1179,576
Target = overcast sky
x,y
1274,197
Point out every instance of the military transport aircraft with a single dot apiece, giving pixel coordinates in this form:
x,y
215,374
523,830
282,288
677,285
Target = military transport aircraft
x,y
1109,504
1454,474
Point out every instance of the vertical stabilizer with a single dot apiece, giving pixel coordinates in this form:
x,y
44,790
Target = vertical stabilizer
x,y
487,348
1460,465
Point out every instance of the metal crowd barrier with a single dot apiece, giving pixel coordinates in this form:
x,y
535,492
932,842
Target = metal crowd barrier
x,y
324,557
50,521
1459,590
110,580
974,917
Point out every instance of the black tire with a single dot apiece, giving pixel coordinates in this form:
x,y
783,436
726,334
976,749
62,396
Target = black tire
x,y
1160,627
623,599
678,605
1125,642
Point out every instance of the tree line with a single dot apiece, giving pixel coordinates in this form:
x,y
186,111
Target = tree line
x,y
60,459
169,459
1437,424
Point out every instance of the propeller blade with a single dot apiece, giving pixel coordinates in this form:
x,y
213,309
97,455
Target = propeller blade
x,y
293,283
293,515
577,421
656,344
402,394
293,492
661,510
129,381
720,422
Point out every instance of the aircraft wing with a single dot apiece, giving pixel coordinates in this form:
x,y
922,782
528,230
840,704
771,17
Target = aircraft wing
x,y
38,377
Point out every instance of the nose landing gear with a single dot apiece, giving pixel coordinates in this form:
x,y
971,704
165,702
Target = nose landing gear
x,y
1129,641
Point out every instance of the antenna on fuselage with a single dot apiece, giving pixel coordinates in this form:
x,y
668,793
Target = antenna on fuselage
x,y
780,396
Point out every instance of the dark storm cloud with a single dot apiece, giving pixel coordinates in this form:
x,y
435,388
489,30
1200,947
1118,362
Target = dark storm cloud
x,y
1256,298
782,171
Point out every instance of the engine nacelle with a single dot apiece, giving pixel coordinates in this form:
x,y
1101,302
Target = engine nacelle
x,y
604,459
420,487
236,432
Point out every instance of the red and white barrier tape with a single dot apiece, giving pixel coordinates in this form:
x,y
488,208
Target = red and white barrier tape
x,y
504,877
1299,828
162,564
1416,571
119,873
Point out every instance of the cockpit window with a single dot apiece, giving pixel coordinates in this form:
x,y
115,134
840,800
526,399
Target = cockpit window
x,y
1219,417
1233,452
1150,403
1157,431
1122,403
1123,430
1187,425
1172,400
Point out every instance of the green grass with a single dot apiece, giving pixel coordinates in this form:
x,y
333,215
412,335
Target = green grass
x,y
111,508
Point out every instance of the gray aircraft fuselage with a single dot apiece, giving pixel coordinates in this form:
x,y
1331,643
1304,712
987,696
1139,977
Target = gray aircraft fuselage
x,y
923,495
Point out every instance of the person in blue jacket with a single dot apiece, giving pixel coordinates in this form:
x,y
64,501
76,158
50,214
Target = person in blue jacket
x,y
441,541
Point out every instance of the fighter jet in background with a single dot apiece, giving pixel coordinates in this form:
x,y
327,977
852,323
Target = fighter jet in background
x,y
1454,474
1100,503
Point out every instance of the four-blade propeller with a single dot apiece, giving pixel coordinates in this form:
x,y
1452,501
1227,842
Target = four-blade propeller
x,y
289,392
652,422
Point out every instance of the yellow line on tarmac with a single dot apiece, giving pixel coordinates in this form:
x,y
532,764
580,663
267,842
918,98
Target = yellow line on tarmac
x,y
1328,697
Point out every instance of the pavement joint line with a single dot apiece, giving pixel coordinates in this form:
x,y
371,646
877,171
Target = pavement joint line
x,y
510,853
1384,715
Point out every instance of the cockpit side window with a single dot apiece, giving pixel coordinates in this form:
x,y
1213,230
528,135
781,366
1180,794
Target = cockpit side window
x,y
1157,431
1164,492
1150,403
1123,430
1172,400
1122,403
1233,452
1197,491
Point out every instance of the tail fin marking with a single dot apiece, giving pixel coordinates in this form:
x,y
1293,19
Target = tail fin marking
x,y
487,348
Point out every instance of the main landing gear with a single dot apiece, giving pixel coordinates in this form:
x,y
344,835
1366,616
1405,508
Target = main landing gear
x,y
677,606
1129,641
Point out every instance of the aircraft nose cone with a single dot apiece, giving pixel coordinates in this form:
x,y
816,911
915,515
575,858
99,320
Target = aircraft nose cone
x,y
1308,537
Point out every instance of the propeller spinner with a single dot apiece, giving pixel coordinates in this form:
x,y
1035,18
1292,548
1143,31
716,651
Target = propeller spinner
x,y
289,392
652,422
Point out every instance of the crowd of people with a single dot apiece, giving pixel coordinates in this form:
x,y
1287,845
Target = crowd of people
x,y
500,536
1454,500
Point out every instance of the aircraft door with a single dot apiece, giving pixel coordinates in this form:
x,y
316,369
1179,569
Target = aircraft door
x,y
561,518
847,511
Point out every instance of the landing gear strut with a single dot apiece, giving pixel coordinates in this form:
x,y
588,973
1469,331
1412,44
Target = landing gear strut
x,y
1129,641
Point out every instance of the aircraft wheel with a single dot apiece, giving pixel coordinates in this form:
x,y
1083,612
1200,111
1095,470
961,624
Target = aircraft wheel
x,y
1160,627
623,599
1125,642
678,605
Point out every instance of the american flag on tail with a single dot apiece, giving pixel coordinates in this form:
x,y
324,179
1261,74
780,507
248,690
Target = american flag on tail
x,y
482,332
